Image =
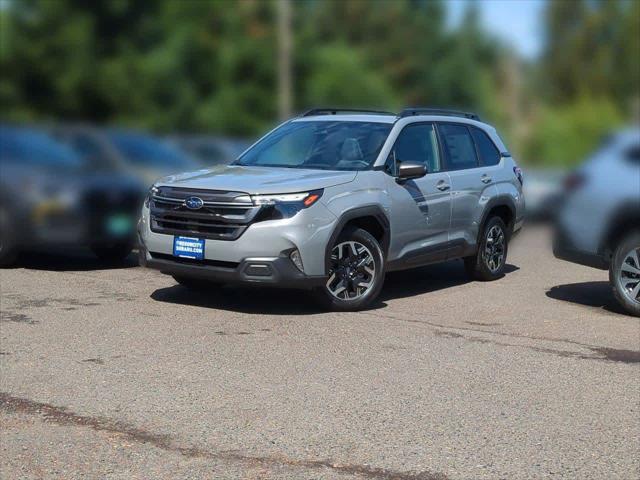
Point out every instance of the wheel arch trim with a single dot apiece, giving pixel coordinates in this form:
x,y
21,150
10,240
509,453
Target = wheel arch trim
x,y
627,214
374,211
499,201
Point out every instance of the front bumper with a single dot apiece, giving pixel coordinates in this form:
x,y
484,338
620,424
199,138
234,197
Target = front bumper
x,y
278,272
259,256
564,249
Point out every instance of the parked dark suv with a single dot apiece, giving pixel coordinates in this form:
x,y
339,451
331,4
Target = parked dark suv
x,y
49,199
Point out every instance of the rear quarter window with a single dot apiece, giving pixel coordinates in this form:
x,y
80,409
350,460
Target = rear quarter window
x,y
489,154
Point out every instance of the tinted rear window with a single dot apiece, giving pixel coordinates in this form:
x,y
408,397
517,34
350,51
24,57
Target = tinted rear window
x,y
459,147
489,154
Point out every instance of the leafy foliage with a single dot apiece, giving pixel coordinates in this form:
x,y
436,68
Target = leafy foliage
x,y
566,134
195,65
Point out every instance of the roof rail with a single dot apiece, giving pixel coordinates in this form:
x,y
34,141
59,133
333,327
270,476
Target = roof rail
x,y
410,111
336,111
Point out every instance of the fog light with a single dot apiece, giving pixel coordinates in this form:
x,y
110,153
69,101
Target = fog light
x,y
297,260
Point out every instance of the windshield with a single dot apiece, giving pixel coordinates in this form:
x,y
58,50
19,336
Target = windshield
x,y
323,145
148,152
26,147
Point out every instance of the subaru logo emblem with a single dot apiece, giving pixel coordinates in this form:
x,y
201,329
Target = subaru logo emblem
x,y
194,203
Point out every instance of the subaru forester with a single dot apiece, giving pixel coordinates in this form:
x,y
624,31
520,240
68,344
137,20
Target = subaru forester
x,y
332,200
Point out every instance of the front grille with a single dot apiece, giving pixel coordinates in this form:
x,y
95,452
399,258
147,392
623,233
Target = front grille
x,y
100,204
223,216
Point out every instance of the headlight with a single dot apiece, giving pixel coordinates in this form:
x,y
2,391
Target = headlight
x,y
305,199
285,205
152,191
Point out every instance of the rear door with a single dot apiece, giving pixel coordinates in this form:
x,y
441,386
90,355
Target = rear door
x,y
421,208
471,184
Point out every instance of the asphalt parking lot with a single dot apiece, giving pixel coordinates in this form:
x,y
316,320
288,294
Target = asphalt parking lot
x,y
119,373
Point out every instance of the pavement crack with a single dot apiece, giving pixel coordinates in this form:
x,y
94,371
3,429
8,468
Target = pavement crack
x,y
97,361
13,317
599,352
481,324
65,417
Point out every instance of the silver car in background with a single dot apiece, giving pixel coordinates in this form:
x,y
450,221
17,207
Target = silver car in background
x,y
598,224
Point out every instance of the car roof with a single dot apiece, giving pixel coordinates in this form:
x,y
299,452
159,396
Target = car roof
x,y
392,119
349,117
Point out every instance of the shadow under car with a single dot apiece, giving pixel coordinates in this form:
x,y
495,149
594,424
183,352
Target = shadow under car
x,y
589,294
277,301
74,259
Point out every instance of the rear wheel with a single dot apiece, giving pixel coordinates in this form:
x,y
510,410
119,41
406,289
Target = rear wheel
x,y
624,273
356,272
112,253
488,264
196,284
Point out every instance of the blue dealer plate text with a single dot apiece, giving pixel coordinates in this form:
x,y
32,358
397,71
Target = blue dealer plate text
x,y
188,247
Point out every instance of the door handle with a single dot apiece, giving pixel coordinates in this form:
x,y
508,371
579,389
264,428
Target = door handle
x,y
485,178
442,186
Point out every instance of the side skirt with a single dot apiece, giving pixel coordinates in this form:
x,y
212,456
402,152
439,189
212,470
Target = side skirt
x,y
432,254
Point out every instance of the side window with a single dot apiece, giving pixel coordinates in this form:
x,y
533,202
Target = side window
x,y
459,147
489,154
417,143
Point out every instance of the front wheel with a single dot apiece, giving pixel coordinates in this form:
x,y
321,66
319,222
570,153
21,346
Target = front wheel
x,y
488,264
624,273
356,272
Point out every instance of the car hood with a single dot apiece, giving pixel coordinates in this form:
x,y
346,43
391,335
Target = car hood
x,y
255,180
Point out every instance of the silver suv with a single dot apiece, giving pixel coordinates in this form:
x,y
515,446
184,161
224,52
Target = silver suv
x,y
598,224
333,199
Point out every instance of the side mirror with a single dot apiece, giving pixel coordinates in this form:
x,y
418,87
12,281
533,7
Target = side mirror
x,y
407,171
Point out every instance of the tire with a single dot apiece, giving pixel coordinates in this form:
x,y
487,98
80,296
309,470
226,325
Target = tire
x,y
113,253
353,284
624,273
489,262
196,284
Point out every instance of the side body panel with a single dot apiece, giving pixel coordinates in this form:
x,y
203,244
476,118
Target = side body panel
x,y
470,197
509,190
420,216
612,183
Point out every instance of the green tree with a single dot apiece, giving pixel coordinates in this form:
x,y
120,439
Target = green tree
x,y
592,48
340,77
565,135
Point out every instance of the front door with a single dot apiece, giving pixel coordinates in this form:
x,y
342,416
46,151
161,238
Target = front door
x,y
421,208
